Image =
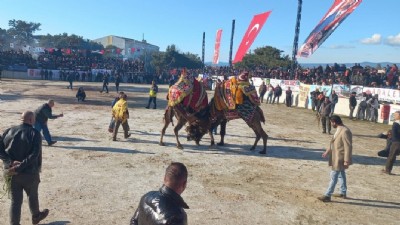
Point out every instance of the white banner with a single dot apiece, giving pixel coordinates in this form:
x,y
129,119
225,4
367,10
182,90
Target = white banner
x,y
389,95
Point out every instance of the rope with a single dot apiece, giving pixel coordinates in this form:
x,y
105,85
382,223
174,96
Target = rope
x,y
7,186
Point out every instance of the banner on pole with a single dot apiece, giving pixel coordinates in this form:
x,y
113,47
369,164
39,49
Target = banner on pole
x,y
332,19
217,45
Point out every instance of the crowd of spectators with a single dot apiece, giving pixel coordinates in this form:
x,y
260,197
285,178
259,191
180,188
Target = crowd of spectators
x,y
133,70
385,77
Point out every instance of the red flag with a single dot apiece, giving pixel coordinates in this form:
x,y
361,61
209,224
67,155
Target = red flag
x,y
217,45
133,50
250,35
118,51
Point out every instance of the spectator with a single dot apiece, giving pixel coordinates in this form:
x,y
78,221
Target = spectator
x,y
81,95
324,112
277,94
70,78
340,154
388,136
262,90
334,101
43,114
288,97
105,83
121,115
270,94
374,106
352,104
153,95
21,152
165,206
395,147
117,82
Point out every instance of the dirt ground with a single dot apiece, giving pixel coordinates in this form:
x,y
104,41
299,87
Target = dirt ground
x,y
89,179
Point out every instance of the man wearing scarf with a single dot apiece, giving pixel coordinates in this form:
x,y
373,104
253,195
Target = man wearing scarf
x,y
121,115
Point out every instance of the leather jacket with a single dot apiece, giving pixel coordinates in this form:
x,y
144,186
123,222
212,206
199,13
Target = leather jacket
x,y
161,208
22,143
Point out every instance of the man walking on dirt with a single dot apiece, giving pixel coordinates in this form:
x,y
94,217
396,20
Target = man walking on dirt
x,y
43,114
21,152
340,154
121,115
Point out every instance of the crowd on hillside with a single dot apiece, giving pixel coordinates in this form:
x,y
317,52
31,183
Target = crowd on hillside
x,y
134,71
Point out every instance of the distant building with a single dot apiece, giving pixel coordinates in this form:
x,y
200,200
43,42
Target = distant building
x,y
130,48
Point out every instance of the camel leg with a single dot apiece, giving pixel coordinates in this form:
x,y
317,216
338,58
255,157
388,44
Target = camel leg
x,y
167,121
223,132
258,136
265,139
210,133
178,126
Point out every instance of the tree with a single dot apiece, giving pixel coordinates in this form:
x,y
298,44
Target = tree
x,y
172,58
4,39
267,57
22,31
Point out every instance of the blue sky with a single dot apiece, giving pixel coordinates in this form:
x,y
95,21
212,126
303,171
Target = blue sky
x,y
370,33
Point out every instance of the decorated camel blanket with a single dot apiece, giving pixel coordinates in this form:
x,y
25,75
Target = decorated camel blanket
x,y
236,99
189,92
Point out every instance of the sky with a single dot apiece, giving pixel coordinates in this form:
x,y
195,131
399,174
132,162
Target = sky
x,y
370,34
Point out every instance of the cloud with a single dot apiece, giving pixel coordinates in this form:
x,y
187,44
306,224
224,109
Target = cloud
x,y
374,40
341,46
393,40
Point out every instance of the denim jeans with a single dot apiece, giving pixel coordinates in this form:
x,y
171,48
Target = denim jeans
x,y
335,175
46,133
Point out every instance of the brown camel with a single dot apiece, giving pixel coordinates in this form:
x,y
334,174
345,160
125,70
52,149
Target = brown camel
x,y
200,120
218,117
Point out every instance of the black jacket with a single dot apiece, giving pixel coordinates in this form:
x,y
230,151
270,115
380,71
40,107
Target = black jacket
x,y
161,208
44,113
22,143
353,101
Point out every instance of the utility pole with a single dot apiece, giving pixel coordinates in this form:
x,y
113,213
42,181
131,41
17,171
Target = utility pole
x,y
296,40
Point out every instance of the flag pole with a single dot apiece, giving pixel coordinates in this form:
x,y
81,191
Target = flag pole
x,y
296,40
230,48
203,49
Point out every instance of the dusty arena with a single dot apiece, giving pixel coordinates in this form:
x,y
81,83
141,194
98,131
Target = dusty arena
x,y
89,179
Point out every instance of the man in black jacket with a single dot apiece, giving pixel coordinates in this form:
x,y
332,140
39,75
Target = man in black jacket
x,y
43,114
21,152
165,206
352,104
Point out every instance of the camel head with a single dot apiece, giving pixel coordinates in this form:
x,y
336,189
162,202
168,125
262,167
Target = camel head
x,y
197,129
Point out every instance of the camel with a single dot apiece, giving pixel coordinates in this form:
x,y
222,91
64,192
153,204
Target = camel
x,y
188,102
200,120
248,110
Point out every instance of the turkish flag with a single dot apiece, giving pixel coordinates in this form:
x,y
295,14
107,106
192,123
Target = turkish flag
x,y
250,35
